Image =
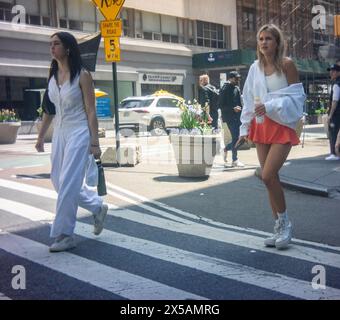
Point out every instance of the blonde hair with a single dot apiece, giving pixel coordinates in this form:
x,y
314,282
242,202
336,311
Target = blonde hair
x,y
280,51
204,78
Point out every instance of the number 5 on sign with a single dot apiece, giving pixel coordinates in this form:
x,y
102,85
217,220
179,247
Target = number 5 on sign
x,y
112,49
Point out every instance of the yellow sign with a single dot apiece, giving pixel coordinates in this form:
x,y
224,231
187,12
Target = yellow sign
x,y
111,28
112,49
109,8
337,25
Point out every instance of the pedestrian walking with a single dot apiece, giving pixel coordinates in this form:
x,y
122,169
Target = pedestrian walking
x,y
75,136
333,119
207,93
337,145
231,107
273,105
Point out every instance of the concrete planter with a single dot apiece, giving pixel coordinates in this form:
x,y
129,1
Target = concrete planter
x,y
49,133
9,132
194,154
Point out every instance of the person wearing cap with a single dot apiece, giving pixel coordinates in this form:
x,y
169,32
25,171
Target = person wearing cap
x,y
334,111
231,107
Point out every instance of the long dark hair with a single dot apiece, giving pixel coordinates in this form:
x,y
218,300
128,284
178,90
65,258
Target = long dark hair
x,y
74,59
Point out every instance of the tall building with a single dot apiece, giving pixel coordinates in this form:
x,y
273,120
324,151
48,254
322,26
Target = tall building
x,y
295,18
160,39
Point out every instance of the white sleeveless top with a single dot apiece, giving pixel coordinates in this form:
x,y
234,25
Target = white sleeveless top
x,y
276,81
69,104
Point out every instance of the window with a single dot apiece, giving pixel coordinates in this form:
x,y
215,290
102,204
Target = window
x,y
210,35
75,25
125,21
169,29
151,22
5,11
167,103
63,23
31,6
35,20
3,91
249,20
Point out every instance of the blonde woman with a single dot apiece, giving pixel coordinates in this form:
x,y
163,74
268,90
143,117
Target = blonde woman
x,y
273,92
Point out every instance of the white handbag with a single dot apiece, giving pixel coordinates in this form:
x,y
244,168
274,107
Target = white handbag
x,y
91,176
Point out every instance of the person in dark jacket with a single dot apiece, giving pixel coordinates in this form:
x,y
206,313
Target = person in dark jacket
x,y
334,111
231,107
207,93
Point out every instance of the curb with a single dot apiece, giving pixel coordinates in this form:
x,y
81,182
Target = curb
x,y
301,186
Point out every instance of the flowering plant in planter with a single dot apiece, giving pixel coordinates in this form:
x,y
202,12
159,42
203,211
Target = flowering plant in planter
x,y
7,115
195,119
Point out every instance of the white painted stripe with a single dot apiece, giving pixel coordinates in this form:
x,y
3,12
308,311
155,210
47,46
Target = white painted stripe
x,y
119,282
3,297
202,219
37,191
229,270
25,167
231,237
226,236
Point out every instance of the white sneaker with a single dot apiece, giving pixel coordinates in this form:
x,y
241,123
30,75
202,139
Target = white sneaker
x,y
332,157
99,220
238,164
270,242
66,243
225,156
285,234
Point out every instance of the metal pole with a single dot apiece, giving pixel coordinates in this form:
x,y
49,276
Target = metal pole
x,y
115,93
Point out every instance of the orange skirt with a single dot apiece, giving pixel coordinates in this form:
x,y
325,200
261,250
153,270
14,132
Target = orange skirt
x,y
271,132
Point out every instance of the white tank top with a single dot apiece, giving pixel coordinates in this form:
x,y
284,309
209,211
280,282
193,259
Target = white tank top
x,y
68,100
276,81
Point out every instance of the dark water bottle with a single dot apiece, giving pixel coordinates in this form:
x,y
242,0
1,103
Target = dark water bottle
x,y
101,188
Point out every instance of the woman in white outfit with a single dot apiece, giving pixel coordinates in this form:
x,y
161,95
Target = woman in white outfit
x,y
273,105
71,89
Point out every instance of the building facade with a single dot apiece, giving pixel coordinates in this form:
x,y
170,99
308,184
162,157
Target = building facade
x,y
158,43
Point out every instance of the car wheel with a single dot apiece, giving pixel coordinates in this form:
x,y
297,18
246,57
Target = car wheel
x,y
157,127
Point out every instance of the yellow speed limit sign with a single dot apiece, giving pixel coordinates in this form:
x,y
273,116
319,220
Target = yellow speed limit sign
x,y
112,49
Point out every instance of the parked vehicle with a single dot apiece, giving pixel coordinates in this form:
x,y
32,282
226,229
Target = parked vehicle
x,y
154,113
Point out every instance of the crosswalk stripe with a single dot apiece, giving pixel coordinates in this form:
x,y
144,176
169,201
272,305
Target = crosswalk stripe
x,y
229,270
119,282
3,297
141,199
231,237
37,191
315,256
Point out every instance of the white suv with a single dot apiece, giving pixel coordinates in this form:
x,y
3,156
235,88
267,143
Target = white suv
x,y
154,113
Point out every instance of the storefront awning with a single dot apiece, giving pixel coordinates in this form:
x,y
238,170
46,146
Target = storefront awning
x,y
246,57
230,58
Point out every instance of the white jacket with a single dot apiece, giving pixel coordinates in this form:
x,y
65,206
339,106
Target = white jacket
x,y
284,106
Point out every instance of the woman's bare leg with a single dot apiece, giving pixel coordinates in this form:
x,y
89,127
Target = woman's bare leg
x,y
262,153
275,159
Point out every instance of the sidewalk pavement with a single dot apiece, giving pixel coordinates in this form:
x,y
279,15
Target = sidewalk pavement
x,y
306,169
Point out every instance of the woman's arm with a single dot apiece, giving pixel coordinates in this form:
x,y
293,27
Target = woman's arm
x,y
46,122
290,71
86,84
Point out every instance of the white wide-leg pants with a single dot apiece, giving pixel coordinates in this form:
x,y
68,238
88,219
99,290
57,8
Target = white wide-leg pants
x,y
70,149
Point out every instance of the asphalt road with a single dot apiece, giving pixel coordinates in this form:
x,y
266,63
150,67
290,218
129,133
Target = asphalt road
x,y
165,237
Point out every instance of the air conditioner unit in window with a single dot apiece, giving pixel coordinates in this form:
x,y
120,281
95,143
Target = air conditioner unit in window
x,y
139,35
157,36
